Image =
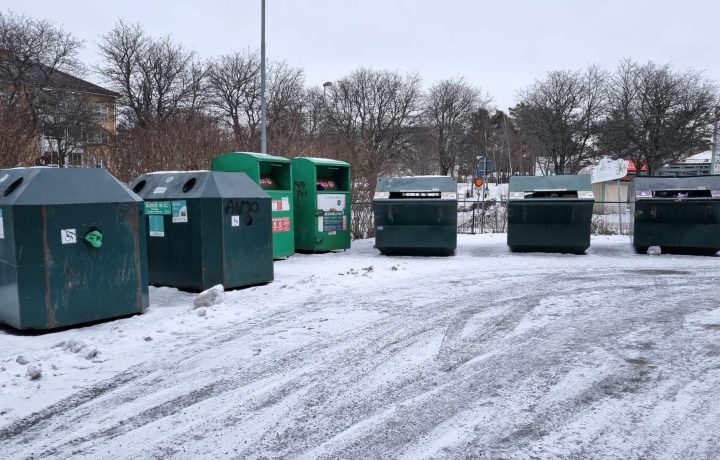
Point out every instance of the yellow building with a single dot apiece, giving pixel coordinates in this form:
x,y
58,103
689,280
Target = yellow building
x,y
94,133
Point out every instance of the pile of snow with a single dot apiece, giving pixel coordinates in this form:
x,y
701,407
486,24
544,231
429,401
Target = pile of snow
x,y
213,296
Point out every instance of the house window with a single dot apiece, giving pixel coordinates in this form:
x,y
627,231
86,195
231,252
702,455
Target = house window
x,y
101,112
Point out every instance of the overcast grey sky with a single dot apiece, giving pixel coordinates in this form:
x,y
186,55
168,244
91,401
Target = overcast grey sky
x,y
498,46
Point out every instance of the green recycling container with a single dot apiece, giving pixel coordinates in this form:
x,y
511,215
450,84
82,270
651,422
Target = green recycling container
x,y
206,228
416,215
274,175
679,214
550,213
72,248
322,204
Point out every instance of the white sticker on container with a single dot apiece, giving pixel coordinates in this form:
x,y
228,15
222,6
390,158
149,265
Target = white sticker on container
x,y
159,190
285,203
68,236
235,221
2,226
331,202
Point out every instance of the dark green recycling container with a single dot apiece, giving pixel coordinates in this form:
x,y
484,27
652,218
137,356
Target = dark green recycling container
x,y
679,214
274,175
416,215
206,228
550,213
72,248
322,204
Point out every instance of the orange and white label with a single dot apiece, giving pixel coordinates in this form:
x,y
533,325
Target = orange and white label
x,y
280,224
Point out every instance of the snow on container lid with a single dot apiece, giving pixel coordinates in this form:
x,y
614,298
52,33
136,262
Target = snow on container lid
x,y
688,187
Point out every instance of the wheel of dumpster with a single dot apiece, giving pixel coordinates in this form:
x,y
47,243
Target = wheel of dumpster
x,y
641,249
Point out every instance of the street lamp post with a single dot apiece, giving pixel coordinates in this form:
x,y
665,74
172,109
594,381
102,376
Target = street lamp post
x,y
263,101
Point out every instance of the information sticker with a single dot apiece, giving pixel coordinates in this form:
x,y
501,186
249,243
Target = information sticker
x,y
179,211
68,236
156,224
158,207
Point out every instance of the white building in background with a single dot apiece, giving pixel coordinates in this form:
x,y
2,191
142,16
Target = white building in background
x,y
695,165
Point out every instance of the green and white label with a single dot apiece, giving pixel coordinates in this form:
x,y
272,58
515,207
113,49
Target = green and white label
x,y
179,211
156,224
157,207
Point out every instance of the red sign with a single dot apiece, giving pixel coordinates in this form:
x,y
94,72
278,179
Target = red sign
x,y
280,224
326,184
266,181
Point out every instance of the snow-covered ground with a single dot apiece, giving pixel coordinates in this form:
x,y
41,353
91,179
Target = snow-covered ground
x,y
355,355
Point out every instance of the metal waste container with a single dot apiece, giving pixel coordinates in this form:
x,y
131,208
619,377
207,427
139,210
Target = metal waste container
x,y
206,228
416,215
274,175
322,204
679,214
72,248
550,213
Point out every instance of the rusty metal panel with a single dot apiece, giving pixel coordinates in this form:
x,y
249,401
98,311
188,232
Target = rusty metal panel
x,y
51,274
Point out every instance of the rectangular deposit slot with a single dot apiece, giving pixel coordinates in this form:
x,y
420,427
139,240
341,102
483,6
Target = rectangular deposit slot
x,y
416,194
682,194
550,194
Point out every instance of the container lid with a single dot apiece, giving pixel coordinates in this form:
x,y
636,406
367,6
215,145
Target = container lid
x,y
416,183
652,183
258,156
54,186
196,184
575,183
321,161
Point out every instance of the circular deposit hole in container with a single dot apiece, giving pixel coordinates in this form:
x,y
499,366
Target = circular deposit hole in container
x,y
189,184
11,188
139,186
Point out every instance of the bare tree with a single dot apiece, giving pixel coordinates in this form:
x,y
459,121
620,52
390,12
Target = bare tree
x,y
286,107
559,116
69,120
449,108
233,81
421,156
657,115
374,113
31,51
156,78
185,142
18,137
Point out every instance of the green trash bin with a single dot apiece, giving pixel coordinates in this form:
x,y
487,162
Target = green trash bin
x,y
322,204
416,215
72,248
206,228
274,175
679,214
550,213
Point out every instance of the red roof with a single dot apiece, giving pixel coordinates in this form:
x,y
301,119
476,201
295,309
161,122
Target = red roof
x,y
632,168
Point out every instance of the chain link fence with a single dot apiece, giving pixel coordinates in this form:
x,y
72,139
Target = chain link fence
x,y
490,216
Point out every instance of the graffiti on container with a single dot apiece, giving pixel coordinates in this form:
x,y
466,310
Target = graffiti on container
x,y
235,207
300,189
